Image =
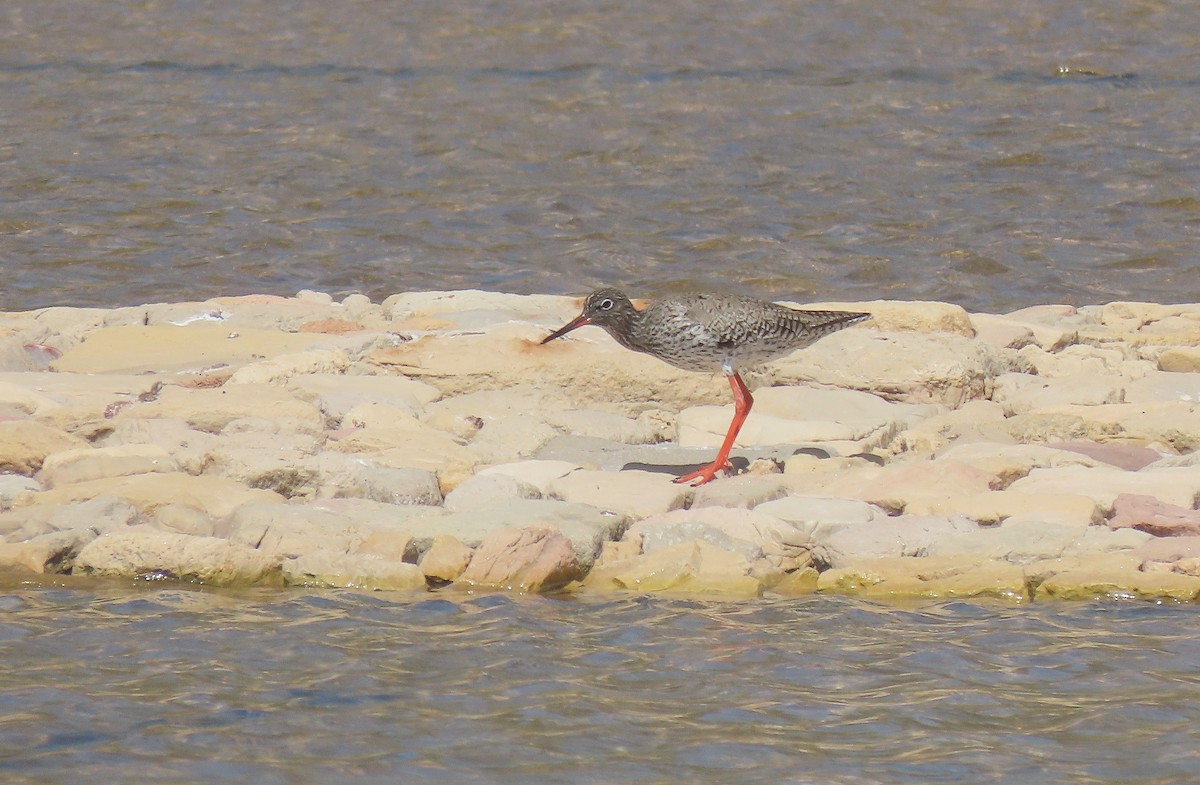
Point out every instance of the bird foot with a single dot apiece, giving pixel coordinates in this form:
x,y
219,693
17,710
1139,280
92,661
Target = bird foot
x,y
704,474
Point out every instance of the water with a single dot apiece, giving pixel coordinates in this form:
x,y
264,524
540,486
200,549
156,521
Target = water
x,y
264,686
991,154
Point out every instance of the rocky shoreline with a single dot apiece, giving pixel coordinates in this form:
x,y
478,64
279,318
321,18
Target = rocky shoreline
x,y
428,441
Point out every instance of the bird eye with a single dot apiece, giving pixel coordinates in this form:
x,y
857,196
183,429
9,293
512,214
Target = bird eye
x,y
607,304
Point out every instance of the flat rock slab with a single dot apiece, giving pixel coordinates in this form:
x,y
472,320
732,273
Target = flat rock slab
x,y
587,528
193,347
143,550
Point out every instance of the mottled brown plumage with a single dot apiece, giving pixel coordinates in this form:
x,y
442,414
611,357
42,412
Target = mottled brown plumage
x,y
709,333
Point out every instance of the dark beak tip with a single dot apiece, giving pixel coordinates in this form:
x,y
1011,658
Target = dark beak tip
x,y
566,328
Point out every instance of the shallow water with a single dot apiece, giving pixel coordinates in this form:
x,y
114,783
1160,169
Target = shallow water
x,y
990,154
287,687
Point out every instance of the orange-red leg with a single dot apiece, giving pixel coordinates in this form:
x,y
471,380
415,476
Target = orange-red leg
x,y
742,401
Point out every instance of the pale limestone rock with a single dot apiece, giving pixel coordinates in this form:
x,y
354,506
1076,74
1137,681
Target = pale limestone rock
x,y
1010,462
423,448
53,552
894,486
747,491
371,414
1022,539
525,559
212,409
1188,567
317,298
538,473
904,535
14,485
390,543
143,549
1020,393
88,463
1037,427
140,348
354,477
287,433
607,425
1167,550
1180,360
291,530
289,473
691,568
593,453
897,578
842,406
352,571
1081,360
1111,576
482,490
1131,316
633,493
907,315
216,496
1054,327
1101,540
280,368
588,365
1001,332
24,445
753,534
1179,486
337,394
1173,425
911,367
445,559
705,426
100,514
816,515
470,309
511,438
14,356
24,523
184,519
586,527
521,399
991,507
974,421
188,447
19,393
1164,387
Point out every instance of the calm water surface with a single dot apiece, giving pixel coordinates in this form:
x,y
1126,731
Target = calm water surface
x,y
990,154
272,687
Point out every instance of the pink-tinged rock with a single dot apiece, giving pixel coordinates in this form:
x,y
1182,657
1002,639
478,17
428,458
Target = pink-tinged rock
x,y
1125,456
1169,549
1148,514
526,559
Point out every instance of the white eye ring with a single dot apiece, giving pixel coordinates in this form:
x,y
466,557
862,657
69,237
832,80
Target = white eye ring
x,y
607,304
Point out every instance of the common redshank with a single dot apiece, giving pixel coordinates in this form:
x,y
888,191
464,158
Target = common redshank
x,y
707,333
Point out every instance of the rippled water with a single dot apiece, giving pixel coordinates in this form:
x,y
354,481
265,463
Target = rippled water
x,y
279,687
990,154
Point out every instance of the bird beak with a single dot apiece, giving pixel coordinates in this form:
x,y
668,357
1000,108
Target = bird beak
x,y
578,321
